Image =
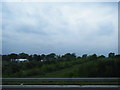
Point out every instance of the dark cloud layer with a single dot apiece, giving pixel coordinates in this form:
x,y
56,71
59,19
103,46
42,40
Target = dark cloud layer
x,y
60,28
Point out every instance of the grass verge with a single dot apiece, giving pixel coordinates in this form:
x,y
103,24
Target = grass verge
x,y
60,83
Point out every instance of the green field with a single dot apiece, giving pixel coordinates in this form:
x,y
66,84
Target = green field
x,y
66,66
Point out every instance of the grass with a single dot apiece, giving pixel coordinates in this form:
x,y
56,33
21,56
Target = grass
x,y
57,74
68,72
60,83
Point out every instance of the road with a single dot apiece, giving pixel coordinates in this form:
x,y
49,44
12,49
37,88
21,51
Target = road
x,y
60,87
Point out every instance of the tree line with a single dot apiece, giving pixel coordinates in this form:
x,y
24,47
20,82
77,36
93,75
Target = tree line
x,y
67,65
51,56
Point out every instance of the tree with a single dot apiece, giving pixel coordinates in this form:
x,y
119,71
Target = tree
x,y
43,56
84,55
93,57
23,56
13,56
74,55
30,58
69,56
36,57
102,56
111,55
5,57
79,57
117,56
51,56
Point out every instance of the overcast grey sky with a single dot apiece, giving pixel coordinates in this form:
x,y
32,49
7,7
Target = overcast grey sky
x,y
60,28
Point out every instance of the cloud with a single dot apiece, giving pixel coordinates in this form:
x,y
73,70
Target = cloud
x,y
60,27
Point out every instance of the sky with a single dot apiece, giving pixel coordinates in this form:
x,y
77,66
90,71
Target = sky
x,y
60,0
43,28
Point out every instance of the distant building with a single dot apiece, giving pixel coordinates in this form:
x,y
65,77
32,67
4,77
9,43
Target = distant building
x,y
42,60
19,60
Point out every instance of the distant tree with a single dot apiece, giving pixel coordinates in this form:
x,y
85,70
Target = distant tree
x,y
102,56
30,58
58,56
111,55
39,58
69,56
36,57
117,56
74,55
23,55
84,55
13,56
78,57
93,57
43,56
5,58
51,56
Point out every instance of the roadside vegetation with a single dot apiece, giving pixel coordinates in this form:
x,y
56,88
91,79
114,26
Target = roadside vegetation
x,y
60,83
56,66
